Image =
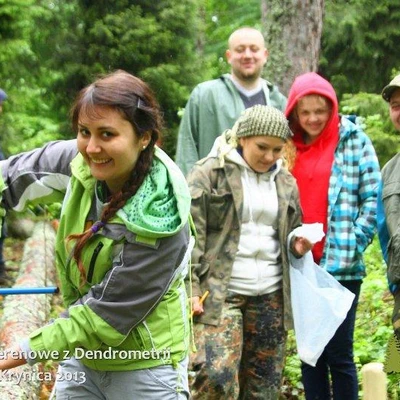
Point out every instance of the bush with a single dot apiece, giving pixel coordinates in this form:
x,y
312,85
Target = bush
x,y
374,117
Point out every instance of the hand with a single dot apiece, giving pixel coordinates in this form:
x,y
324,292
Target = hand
x,y
11,358
301,245
197,306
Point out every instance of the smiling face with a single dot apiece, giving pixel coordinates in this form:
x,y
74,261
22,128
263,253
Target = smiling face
x,y
394,109
261,152
313,113
246,54
109,145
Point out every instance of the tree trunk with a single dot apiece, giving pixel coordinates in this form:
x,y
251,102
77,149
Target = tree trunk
x,y
292,30
25,313
201,37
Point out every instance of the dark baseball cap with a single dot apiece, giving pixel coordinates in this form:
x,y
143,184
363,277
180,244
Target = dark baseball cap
x,y
389,89
3,96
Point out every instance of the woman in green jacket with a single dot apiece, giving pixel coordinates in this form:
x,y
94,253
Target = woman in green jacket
x,y
122,250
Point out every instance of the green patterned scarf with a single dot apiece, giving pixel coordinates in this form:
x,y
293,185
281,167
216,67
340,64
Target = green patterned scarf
x,y
153,209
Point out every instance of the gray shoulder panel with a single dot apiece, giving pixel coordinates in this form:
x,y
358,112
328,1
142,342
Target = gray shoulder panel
x,y
140,277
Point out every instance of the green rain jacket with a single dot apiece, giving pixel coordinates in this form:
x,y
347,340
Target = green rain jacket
x,y
133,312
213,107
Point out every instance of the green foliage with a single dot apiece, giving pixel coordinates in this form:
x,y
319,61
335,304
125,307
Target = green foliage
x,y
27,120
23,132
375,119
359,44
59,47
292,387
152,40
374,311
18,63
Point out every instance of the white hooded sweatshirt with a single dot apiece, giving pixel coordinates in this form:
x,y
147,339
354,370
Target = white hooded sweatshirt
x,y
257,268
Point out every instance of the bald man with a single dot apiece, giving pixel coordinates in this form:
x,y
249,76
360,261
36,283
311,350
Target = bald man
x,y
215,105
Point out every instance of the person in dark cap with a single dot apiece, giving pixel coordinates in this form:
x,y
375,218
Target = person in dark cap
x,y
389,206
3,96
3,274
245,206
391,93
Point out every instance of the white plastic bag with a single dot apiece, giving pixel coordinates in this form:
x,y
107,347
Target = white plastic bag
x,y
319,304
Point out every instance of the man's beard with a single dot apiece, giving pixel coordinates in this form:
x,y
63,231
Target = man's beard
x,y
247,77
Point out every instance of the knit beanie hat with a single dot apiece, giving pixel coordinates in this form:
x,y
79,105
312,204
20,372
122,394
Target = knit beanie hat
x,y
258,120
389,89
262,120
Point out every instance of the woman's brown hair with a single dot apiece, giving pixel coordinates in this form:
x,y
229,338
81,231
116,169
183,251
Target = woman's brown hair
x,y
289,154
135,101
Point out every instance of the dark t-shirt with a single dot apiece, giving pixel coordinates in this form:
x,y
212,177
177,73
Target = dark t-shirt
x,y
258,98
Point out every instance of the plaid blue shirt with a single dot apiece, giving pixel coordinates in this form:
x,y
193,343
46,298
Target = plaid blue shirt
x,y
352,200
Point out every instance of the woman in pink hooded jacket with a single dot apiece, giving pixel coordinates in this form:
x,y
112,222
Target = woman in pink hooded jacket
x,y
337,173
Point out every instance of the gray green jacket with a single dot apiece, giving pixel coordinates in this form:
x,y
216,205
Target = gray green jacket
x,y
389,222
134,302
213,107
217,202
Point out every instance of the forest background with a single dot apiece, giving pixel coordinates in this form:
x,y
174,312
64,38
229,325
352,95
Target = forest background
x,y
50,49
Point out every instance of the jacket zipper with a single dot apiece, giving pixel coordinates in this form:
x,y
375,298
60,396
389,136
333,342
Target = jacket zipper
x,y
93,261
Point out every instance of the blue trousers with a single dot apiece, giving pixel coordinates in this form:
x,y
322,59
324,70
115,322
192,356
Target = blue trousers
x,y
336,361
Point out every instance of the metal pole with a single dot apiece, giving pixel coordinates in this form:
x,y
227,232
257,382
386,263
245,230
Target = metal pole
x,y
28,290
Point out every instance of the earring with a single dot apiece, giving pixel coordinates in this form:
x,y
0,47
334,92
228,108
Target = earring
x,y
144,147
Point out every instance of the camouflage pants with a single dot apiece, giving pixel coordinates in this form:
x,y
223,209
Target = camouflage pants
x,y
243,357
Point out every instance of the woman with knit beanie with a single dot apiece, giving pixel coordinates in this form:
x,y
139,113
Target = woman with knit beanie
x,y
337,173
245,205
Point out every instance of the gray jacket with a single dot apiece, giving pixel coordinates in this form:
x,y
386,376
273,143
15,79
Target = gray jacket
x,y
391,203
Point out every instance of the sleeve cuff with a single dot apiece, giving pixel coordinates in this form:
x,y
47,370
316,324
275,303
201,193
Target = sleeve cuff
x,y
27,351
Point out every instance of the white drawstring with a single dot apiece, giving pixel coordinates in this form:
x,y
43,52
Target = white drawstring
x,y
248,189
